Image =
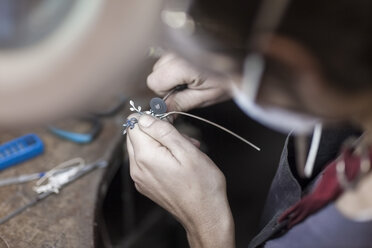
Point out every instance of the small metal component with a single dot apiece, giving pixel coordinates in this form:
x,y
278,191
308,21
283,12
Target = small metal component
x,y
129,124
138,109
158,106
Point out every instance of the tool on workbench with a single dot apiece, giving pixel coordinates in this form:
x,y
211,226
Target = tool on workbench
x,y
55,183
76,137
21,179
100,163
56,177
42,176
19,150
26,177
93,119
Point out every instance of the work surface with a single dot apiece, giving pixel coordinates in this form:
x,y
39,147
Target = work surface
x,y
61,220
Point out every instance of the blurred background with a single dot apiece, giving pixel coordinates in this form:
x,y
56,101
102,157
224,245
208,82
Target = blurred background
x,y
63,60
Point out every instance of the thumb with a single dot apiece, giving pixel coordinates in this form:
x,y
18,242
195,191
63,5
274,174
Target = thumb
x,y
195,142
166,134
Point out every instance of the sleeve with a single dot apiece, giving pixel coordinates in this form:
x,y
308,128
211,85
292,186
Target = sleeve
x,y
327,228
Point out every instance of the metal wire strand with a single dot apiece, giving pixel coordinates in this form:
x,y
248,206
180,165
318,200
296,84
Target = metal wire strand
x,y
213,124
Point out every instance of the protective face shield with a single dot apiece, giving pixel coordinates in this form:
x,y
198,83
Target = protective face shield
x,y
276,118
56,56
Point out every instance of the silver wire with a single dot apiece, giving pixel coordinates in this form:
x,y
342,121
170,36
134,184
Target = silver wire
x,y
213,124
168,94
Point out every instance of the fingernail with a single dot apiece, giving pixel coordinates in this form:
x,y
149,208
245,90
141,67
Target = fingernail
x,y
146,121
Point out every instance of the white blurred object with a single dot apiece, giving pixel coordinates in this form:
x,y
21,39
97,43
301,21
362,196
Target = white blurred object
x,y
93,49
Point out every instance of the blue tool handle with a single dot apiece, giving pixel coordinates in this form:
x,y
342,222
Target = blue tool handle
x,y
19,150
80,138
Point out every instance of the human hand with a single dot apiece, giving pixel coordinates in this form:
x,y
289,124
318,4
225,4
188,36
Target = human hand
x,y
202,91
170,170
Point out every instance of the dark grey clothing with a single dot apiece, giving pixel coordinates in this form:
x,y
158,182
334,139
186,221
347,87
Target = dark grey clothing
x,y
284,192
287,188
326,229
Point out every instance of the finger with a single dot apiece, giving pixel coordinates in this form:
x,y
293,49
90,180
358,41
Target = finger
x,y
164,60
195,142
140,141
165,78
139,188
130,150
165,134
135,170
189,99
148,152
170,118
136,141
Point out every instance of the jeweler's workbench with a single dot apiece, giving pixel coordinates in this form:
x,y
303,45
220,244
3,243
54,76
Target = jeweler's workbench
x,y
66,219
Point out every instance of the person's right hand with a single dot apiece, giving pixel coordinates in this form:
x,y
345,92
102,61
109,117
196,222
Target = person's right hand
x,y
171,71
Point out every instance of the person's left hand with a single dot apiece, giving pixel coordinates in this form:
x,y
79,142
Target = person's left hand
x,y
170,170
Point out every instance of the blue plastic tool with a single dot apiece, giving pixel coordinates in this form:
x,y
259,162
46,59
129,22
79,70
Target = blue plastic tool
x,y
80,138
19,150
